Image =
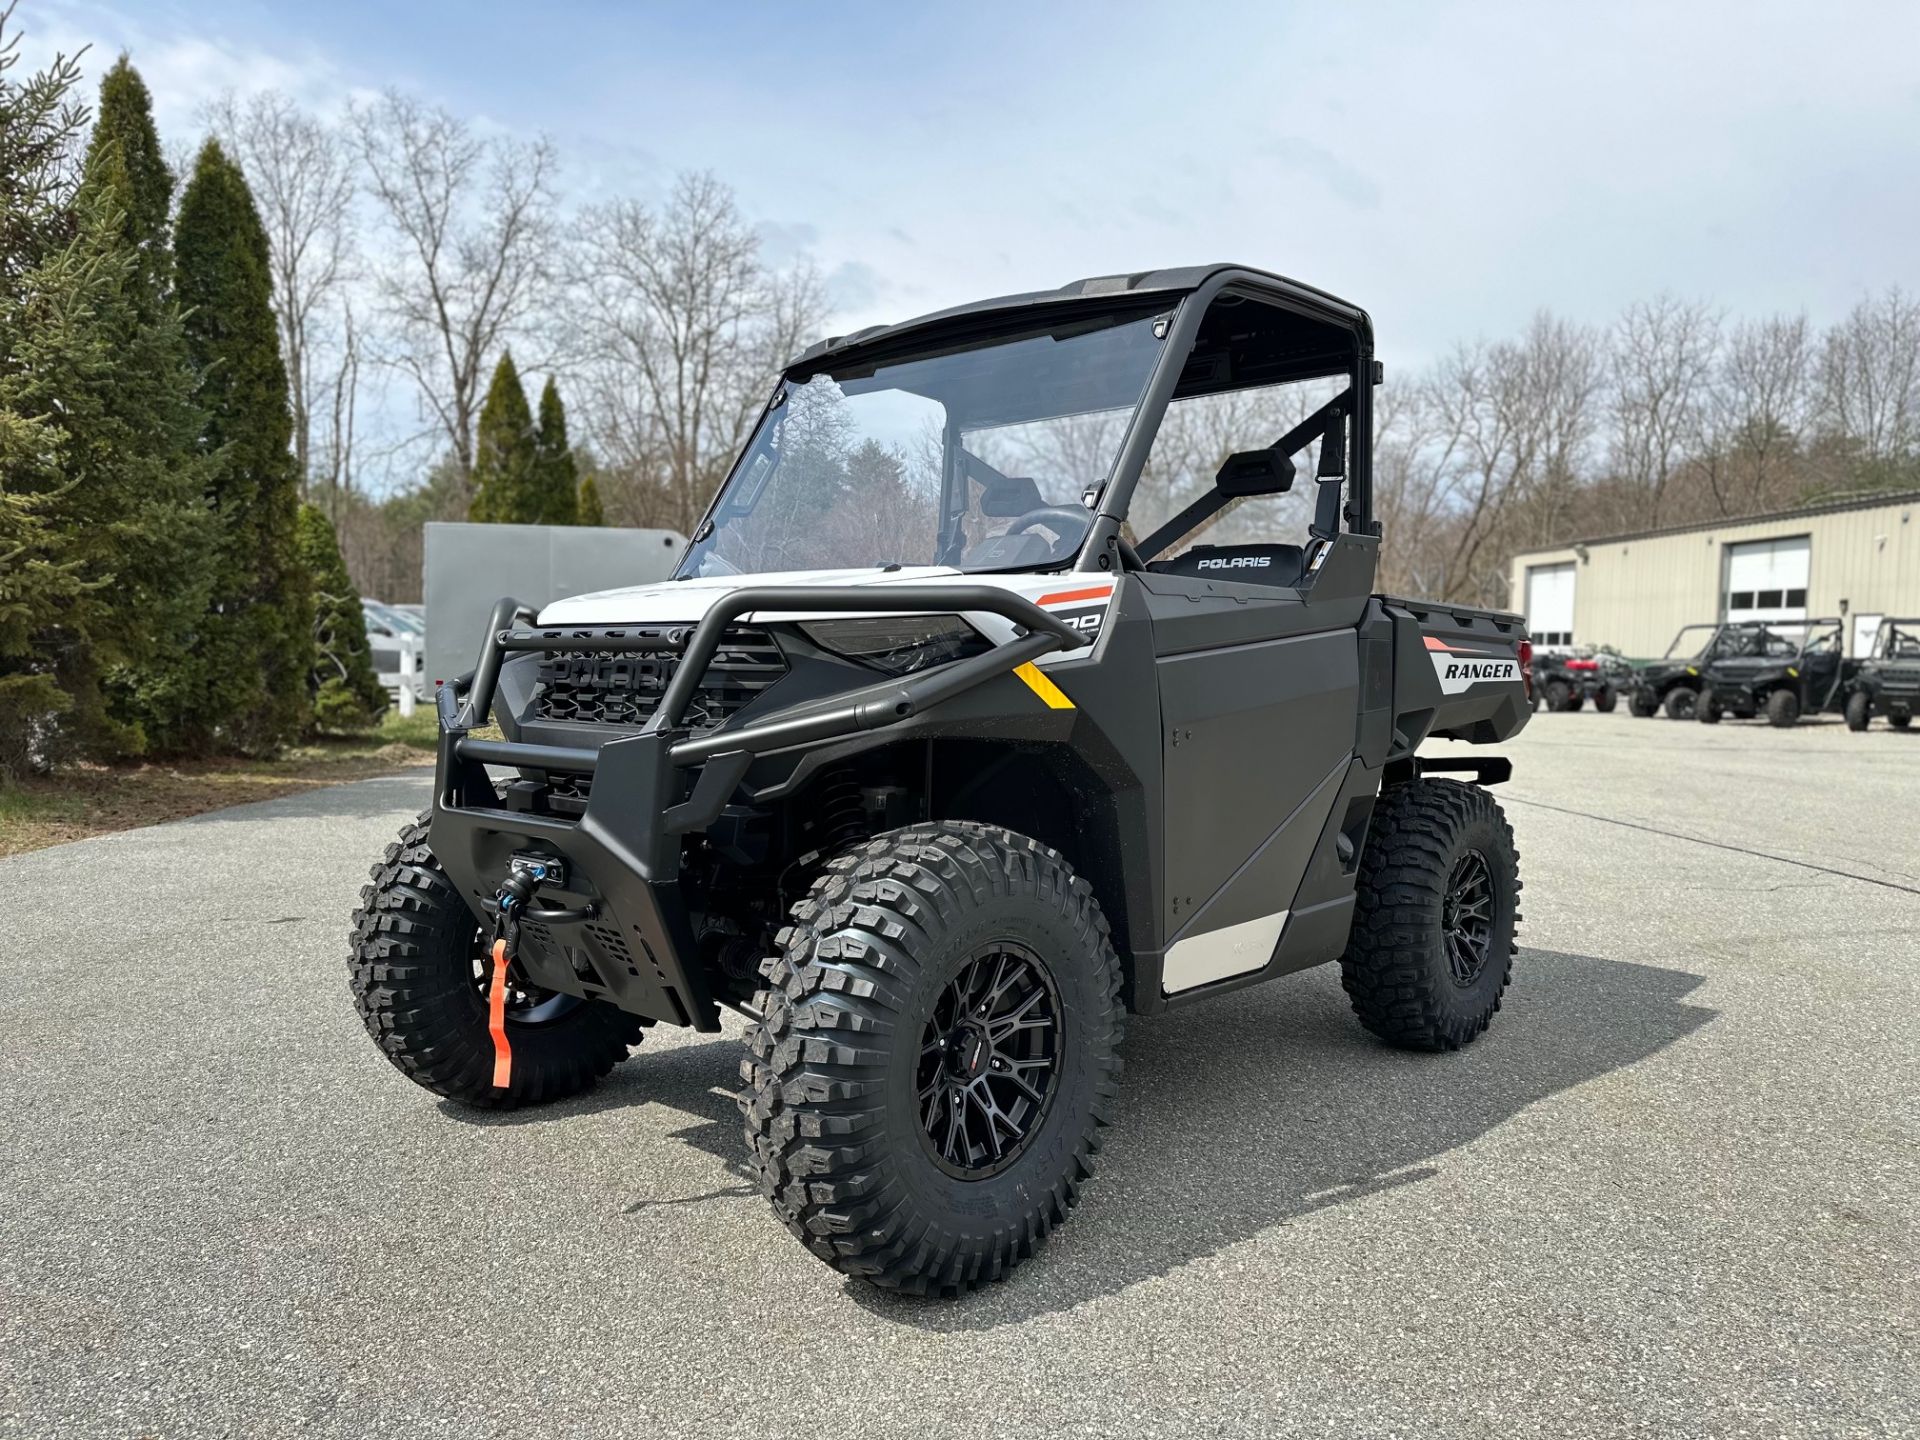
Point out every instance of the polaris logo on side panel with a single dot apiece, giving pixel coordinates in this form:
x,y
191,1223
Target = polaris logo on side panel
x,y
1236,562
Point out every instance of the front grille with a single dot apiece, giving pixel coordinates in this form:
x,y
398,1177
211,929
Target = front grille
x,y
603,689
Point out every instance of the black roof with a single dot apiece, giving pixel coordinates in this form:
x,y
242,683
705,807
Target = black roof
x,y
1143,283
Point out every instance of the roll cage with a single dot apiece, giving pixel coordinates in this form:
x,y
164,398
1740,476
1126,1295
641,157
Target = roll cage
x,y
1215,342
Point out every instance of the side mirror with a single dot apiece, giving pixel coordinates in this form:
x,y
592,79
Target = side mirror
x,y
1254,472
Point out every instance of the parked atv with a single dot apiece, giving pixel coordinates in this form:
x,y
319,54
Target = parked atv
x,y
1673,682
930,770
1566,682
1780,669
1887,682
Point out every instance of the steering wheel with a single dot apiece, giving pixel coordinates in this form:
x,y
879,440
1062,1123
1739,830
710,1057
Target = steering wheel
x,y
1070,522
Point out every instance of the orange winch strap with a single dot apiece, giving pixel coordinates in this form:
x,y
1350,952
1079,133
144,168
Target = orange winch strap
x,y
497,1018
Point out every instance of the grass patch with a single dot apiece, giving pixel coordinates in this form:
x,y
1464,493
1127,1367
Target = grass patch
x,y
83,800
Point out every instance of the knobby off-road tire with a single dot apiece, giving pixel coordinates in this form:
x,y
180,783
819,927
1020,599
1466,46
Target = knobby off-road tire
x,y
1707,709
1605,699
1643,705
1401,972
1783,709
838,1133
1681,701
1900,719
414,983
1859,710
1559,693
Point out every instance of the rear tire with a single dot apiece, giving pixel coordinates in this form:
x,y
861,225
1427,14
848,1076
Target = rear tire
x,y
415,947
1605,698
1783,709
1574,701
1859,710
1420,972
1681,701
1707,709
845,1091
1557,693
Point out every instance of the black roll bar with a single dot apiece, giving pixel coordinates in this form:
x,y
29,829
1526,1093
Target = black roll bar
x,y
868,708
881,599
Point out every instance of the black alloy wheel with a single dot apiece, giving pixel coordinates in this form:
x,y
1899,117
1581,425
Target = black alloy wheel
x,y
1466,917
987,1059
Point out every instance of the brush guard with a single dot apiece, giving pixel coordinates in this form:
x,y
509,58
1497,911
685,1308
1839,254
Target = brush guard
x,y
620,931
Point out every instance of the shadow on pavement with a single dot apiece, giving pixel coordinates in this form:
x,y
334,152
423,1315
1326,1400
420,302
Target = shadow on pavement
x,y
1235,1116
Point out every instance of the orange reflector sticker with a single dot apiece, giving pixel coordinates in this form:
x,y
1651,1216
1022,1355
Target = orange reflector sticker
x,y
497,1018
1037,682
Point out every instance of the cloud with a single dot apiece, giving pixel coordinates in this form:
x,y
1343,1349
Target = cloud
x,y
785,242
1319,163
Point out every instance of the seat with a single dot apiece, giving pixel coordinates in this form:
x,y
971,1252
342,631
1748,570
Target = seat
x,y
1284,565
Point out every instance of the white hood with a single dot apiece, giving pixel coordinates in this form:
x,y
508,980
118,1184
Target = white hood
x,y
685,601
1080,599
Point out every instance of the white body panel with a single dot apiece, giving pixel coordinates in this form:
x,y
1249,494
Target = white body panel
x,y
1220,954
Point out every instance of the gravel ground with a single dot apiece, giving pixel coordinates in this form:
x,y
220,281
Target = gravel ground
x,y
1672,1192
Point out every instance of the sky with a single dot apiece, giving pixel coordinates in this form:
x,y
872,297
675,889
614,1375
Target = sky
x,y
1453,169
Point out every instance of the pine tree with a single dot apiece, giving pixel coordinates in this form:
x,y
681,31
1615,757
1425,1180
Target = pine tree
x,y
124,157
587,508
505,458
346,693
257,638
101,509
556,476
139,473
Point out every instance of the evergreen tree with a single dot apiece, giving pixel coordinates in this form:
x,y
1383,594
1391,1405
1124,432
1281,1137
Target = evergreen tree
x,y
346,693
556,476
587,508
142,477
124,158
102,515
505,455
256,641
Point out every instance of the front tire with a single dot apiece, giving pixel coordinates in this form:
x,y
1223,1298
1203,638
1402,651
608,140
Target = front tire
x,y
1558,692
1859,710
1605,698
1707,709
1783,709
1643,704
1900,719
418,974
1432,943
1681,701
903,1132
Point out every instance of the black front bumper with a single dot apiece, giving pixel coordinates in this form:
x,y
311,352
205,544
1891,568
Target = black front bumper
x,y
619,928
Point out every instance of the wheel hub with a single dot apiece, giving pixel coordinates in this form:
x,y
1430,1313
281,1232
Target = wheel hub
x,y
1466,917
987,1060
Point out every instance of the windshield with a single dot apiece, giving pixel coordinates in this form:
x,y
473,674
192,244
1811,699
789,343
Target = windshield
x,y
980,457
1692,642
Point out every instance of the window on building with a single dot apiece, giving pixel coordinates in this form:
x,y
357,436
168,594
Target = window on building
x,y
1740,600
1796,597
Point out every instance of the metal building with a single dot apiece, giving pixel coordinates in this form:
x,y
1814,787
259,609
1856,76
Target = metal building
x,y
1859,557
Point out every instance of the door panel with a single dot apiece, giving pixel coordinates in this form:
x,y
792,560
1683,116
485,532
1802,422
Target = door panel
x,y
1253,731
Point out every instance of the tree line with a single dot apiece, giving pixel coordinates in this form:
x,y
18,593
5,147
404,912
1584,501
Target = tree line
x,y
161,590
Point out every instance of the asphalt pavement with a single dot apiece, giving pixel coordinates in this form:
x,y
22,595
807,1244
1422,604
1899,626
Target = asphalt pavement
x,y
1671,1192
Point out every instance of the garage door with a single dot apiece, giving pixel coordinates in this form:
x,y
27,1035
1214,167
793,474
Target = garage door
x,y
1550,605
1767,579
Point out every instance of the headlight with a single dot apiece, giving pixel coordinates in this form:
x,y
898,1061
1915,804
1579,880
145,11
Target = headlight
x,y
899,644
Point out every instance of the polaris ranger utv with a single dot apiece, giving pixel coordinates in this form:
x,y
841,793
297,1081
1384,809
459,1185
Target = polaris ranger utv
x,y
1888,680
1672,683
946,747
1780,669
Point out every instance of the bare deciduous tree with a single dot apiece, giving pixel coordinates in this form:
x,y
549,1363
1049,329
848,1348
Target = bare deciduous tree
x,y
469,270
684,331
1870,378
302,179
1664,352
